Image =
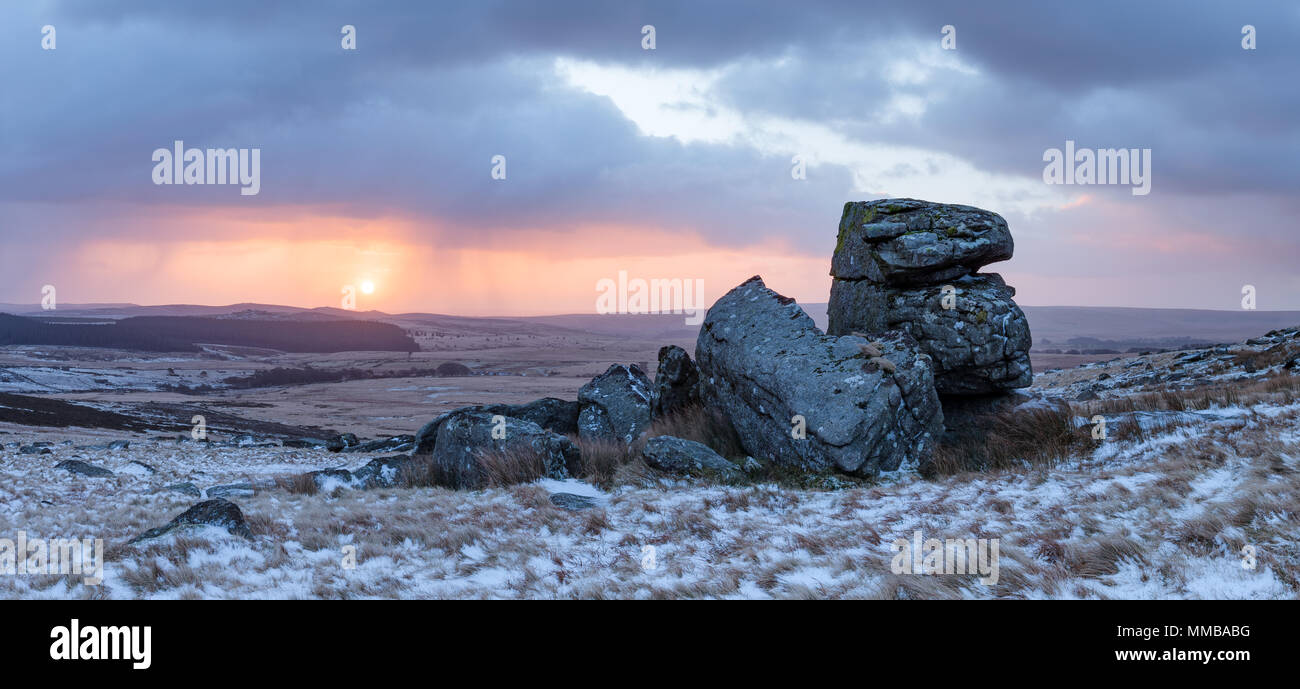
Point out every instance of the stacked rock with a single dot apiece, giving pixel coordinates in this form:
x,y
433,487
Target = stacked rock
x,y
904,264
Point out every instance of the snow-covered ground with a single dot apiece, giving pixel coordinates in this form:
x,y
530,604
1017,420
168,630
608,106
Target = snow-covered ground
x,y
1207,509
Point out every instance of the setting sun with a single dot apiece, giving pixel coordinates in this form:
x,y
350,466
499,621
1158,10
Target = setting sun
x,y
368,287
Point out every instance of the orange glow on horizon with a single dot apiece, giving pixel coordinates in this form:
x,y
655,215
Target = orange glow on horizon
x,y
310,261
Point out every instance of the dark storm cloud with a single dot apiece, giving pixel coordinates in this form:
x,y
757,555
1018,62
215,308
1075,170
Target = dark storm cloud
x,y
407,124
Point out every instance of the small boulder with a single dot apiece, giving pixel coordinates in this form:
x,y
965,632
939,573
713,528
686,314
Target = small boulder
x,y
676,382
77,466
452,368
396,443
342,442
615,405
235,489
327,479
464,437
218,512
187,488
381,472
687,457
572,501
556,415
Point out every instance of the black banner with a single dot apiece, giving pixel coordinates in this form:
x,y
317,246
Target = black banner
x,y
166,639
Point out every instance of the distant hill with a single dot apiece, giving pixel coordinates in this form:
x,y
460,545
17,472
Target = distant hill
x,y
186,333
1053,327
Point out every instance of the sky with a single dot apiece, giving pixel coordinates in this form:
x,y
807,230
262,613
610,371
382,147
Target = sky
x,y
678,162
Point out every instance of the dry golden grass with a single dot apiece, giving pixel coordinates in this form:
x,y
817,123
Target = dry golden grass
x,y
512,465
299,484
1015,440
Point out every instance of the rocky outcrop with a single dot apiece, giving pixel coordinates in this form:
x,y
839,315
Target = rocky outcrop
x,y
615,405
686,457
676,382
980,345
810,400
465,437
220,513
894,263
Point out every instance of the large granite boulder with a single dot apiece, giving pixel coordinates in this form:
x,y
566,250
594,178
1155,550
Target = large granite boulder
x,y
894,263
676,382
465,436
867,406
615,404
980,345
906,241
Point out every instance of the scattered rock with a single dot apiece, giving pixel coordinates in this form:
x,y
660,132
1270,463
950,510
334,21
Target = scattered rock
x,y
304,443
218,512
687,457
34,449
572,501
676,382
396,443
233,489
381,472
326,479
138,468
342,442
186,488
119,445
77,466
763,362
615,405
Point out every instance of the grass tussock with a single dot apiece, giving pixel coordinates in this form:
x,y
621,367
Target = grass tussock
x,y
511,466
298,484
604,461
1014,440
707,425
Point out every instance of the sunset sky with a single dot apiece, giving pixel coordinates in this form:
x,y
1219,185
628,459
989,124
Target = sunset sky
x,y
667,163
